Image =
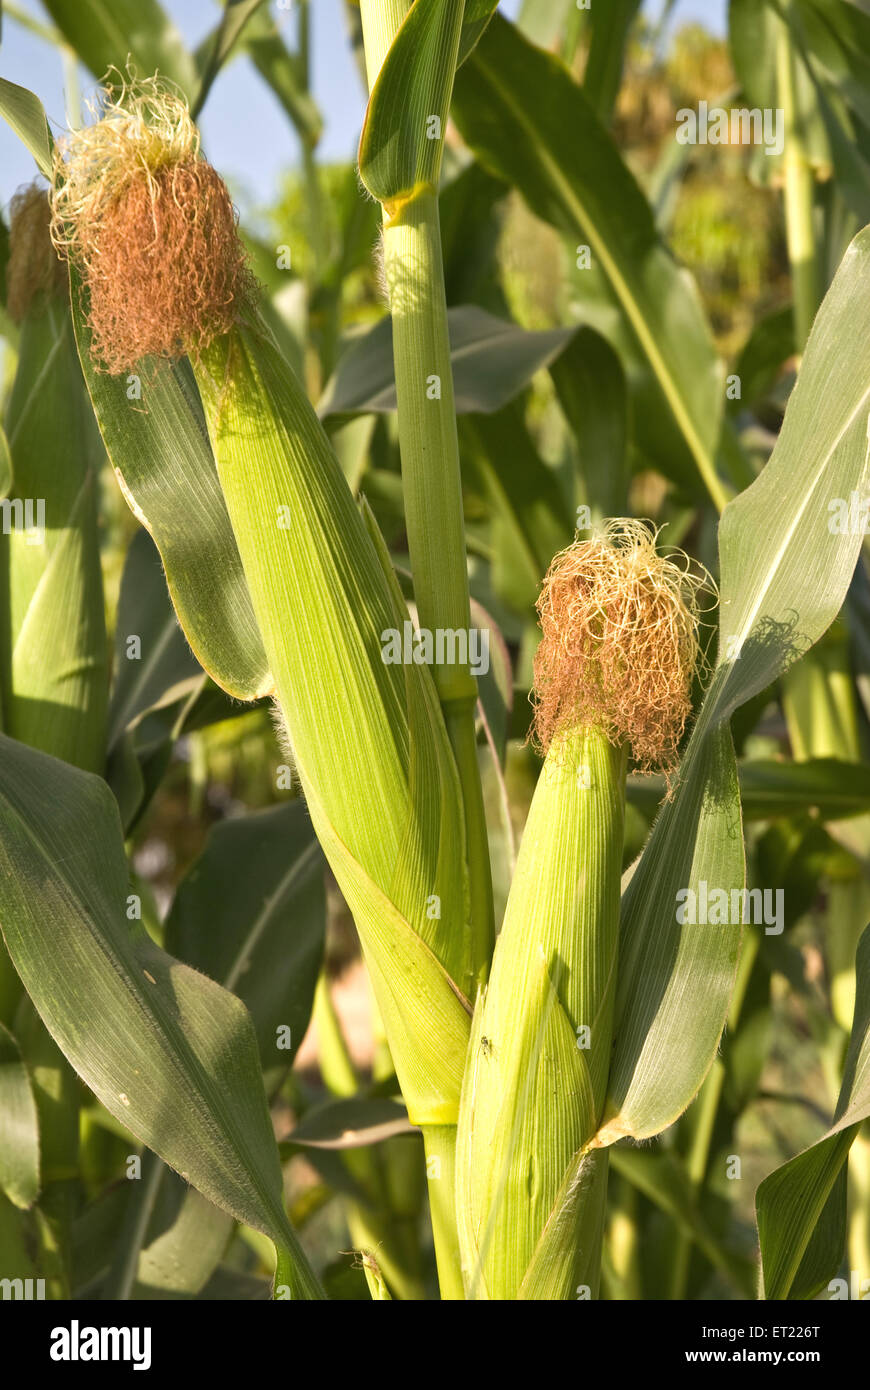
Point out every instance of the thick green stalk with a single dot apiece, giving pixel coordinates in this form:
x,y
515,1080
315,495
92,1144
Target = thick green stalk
x,y
440,1142
429,448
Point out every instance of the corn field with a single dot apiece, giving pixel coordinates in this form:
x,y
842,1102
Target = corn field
x,y
435,658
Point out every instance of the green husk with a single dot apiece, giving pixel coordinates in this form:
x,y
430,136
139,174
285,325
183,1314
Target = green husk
x,y
534,1091
368,741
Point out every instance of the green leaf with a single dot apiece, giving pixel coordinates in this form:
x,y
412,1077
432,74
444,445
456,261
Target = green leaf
x,y
161,668
784,575
661,1176
285,74
219,46
475,18
786,564
495,685
54,671
531,519
768,347
19,1241
169,1053
752,36
801,1207
592,392
104,32
695,839
825,787
609,25
24,113
569,171
160,452
542,21
470,214
492,361
251,914
837,38
179,1262
19,1142
351,1123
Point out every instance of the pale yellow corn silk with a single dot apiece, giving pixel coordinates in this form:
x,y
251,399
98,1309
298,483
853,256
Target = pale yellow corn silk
x,y
33,272
150,226
619,642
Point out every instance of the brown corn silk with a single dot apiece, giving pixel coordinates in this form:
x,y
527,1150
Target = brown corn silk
x,y
151,228
34,271
619,643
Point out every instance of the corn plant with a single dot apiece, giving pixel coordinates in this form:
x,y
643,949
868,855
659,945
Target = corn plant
x,y
541,1017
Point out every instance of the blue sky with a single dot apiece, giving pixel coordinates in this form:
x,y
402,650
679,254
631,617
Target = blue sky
x,y
253,147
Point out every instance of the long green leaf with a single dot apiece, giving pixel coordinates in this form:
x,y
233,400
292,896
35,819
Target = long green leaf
x,y
801,1207
785,572
24,113
104,32
609,26
153,429
829,788
492,361
6,475
221,44
570,172
158,667
179,1262
531,520
591,387
53,672
251,914
169,1053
